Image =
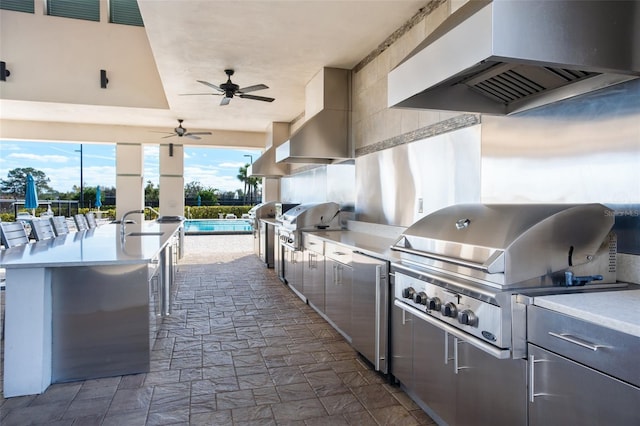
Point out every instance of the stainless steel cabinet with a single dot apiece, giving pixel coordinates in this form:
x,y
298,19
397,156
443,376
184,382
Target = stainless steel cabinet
x,y
293,271
370,309
580,372
435,378
489,390
338,279
565,392
313,275
401,365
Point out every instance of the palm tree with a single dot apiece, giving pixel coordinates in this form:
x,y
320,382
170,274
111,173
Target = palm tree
x,y
242,177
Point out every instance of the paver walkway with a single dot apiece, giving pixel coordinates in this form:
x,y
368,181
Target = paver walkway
x,y
239,349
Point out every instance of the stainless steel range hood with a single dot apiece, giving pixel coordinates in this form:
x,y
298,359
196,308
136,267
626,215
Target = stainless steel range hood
x,y
505,56
325,137
266,166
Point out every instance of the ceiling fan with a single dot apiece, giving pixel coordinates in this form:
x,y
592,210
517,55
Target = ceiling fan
x,y
229,90
181,131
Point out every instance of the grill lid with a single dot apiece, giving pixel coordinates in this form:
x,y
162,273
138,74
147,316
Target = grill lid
x,y
312,216
519,241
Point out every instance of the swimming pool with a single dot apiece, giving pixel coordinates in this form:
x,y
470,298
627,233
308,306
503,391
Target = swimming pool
x,y
217,226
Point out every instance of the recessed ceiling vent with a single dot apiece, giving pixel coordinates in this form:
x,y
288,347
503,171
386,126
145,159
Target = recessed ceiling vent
x,y
504,56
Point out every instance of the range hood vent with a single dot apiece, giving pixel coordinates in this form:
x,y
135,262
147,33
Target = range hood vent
x,y
504,56
325,137
266,166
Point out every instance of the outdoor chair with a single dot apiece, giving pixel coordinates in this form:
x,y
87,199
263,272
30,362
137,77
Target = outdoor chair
x,y
41,229
81,222
13,234
91,220
59,224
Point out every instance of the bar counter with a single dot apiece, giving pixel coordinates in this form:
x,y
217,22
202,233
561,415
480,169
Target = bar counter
x,y
85,305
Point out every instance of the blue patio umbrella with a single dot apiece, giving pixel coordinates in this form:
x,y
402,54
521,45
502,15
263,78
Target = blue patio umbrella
x,y
199,200
31,195
98,203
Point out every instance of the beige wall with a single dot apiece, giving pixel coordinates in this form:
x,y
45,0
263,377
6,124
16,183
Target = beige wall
x,y
373,121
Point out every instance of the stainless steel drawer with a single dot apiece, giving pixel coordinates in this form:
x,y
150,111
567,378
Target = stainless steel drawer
x,y
593,345
338,252
313,243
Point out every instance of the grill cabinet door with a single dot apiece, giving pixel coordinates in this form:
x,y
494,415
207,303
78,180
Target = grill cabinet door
x,y
338,278
313,279
435,379
490,390
565,392
402,345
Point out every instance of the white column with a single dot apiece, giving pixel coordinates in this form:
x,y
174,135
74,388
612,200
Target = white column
x,y
129,179
172,180
27,345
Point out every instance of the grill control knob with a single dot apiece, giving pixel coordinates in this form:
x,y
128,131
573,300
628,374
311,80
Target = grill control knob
x,y
420,298
434,304
449,310
408,293
467,317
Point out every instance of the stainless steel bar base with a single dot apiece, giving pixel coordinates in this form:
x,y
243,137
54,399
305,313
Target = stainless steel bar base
x,y
100,318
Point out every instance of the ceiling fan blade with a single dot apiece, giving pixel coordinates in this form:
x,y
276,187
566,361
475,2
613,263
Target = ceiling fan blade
x,y
192,136
170,136
213,86
257,98
252,88
197,133
225,101
197,94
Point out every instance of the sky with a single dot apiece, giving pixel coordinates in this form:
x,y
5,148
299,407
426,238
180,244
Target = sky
x,y
212,167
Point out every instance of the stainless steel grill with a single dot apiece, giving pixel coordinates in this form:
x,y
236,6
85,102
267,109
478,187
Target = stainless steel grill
x,y
461,265
308,217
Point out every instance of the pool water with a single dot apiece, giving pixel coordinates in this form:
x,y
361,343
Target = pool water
x,y
217,226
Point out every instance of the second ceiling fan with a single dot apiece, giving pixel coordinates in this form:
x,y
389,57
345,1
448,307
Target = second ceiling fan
x,y
230,89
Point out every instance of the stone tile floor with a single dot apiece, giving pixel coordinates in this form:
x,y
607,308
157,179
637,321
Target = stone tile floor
x,y
239,349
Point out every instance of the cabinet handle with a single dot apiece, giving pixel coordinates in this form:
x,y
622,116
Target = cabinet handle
x,y
446,349
532,367
456,358
404,317
577,341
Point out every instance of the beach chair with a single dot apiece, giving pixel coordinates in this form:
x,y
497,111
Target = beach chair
x,y
81,222
41,229
59,224
13,234
91,220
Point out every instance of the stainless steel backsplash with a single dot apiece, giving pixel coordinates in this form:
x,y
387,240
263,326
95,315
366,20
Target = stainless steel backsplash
x,y
585,149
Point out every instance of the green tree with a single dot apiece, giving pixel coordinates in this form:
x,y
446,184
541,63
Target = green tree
x,y
15,184
151,192
242,177
192,189
208,197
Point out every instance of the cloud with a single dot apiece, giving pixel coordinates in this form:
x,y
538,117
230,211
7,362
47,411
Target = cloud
x,y
40,158
235,165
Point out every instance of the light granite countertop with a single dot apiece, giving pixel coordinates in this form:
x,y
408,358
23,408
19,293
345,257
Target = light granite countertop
x,y
98,246
619,310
